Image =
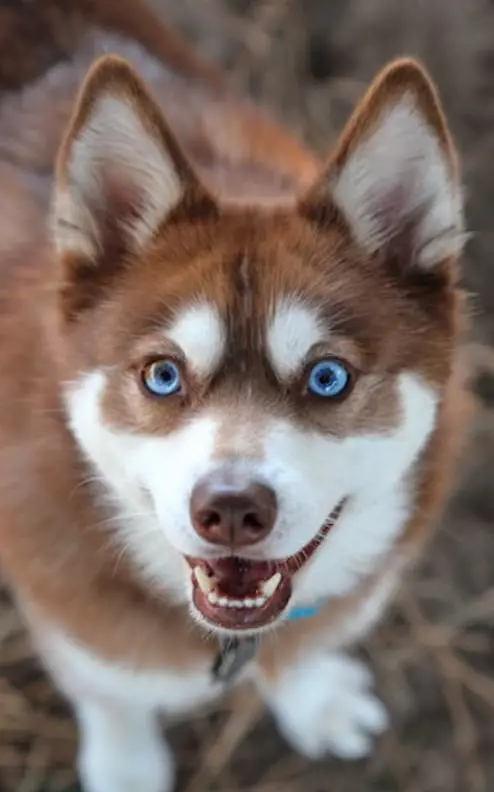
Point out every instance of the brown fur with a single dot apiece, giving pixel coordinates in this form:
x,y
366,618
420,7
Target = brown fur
x,y
53,323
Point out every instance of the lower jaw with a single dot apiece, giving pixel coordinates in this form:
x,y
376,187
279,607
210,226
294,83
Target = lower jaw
x,y
243,618
251,613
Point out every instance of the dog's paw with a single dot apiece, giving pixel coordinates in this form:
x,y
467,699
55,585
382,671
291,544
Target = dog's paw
x,y
327,705
119,753
148,772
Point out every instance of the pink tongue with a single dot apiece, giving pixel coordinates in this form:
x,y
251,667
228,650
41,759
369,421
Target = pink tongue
x,y
237,577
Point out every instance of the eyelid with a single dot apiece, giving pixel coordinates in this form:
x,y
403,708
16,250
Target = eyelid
x,y
344,350
149,356
311,362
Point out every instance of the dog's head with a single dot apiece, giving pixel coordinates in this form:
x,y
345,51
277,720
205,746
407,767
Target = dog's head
x,y
255,386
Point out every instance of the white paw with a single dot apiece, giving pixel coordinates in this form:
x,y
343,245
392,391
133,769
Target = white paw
x,y
327,706
145,772
122,754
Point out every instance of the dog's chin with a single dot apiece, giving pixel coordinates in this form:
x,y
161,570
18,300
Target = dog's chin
x,y
234,594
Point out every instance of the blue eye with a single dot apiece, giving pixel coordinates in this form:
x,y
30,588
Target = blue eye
x,y
162,378
328,378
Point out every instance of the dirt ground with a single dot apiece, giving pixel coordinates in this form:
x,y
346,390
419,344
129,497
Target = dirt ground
x,y
434,655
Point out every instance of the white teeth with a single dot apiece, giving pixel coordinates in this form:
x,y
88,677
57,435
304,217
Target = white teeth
x,y
208,585
205,583
269,586
224,602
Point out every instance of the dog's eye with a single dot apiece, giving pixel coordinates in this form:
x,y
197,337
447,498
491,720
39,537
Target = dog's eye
x,y
328,378
162,378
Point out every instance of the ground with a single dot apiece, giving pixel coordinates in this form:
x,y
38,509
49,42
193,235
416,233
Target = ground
x,y
434,654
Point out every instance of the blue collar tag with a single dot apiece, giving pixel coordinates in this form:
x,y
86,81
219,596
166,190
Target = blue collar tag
x,y
303,612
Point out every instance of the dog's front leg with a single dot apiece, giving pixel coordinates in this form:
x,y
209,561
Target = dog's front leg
x,y
322,698
117,706
121,748
325,704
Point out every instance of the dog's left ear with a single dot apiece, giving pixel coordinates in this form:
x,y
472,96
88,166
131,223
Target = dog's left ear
x,y
393,174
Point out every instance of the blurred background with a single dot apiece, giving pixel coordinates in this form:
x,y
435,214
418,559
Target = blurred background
x,y
310,60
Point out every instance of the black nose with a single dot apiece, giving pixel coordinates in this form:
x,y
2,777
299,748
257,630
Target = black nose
x,y
230,508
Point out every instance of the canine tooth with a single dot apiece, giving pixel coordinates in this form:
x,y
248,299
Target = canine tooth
x,y
249,603
213,598
224,602
260,601
269,586
205,583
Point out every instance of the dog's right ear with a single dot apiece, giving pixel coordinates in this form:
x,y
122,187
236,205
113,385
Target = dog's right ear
x,y
120,174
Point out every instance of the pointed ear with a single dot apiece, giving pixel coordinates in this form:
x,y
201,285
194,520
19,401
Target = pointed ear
x,y
393,174
120,172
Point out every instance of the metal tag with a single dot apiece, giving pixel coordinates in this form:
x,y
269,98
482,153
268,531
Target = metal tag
x,y
233,656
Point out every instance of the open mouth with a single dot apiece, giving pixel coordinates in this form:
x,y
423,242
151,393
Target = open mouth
x,y
235,593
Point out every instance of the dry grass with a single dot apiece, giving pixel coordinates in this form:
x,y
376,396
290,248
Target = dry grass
x,y
434,654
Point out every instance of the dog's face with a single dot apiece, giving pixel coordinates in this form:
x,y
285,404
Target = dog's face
x,y
255,386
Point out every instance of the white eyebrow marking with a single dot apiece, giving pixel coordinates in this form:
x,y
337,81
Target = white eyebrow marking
x,y
199,332
292,331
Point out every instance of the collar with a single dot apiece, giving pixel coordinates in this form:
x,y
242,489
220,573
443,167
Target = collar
x,y
235,653
232,657
303,612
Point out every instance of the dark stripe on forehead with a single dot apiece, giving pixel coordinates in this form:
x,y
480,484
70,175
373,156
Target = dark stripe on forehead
x,y
244,321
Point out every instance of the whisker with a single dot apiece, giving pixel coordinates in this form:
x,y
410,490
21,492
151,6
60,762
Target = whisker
x,y
121,518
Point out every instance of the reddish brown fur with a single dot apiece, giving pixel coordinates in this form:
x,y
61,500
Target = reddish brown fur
x,y
52,549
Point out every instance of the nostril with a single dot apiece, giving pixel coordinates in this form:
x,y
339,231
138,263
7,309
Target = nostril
x,y
252,522
209,519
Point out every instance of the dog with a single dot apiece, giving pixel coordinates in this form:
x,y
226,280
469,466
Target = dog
x,y
231,399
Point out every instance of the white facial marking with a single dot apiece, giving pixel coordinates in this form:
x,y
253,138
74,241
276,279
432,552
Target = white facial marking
x,y
292,331
396,177
151,480
369,468
199,331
